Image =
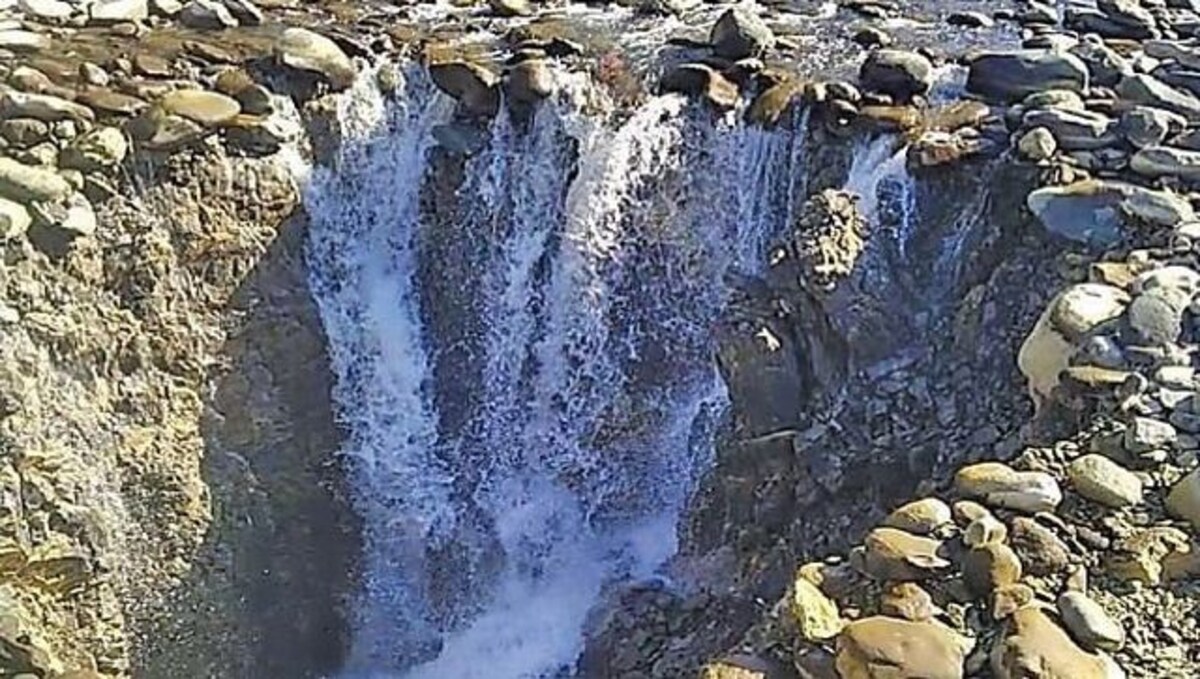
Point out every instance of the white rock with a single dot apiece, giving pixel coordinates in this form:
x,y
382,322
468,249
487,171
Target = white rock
x,y
14,219
115,11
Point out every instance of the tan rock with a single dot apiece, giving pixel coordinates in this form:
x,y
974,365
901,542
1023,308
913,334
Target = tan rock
x,y
1101,480
891,554
1034,646
990,567
208,109
907,600
880,647
1184,499
983,531
1142,555
998,484
1009,599
1088,622
814,614
921,517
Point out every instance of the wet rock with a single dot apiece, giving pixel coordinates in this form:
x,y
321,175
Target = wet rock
x,y
1165,161
1145,126
24,183
879,646
208,109
1037,144
1101,480
891,554
989,567
115,11
899,74
1034,646
305,50
1012,76
1184,499
100,149
814,614
907,600
998,484
461,139
44,107
1089,624
1075,130
206,15
739,34
920,517
700,81
529,82
1139,88
1040,550
770,107
1090,211
475,88
936,147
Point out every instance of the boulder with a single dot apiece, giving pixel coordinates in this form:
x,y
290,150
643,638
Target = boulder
x,y
1041,552
1184,499
1091,211
305,50
1147,126
1037,144
1105,65
997,484
206,15
814,614
920,517
475,88
739,34
1075,130
1155,318
14,222
1140,88
26,184
702,82
879,646
899,74
1012,76
773,103
891,554
1089,624
44,107
1101,480
252,97
529,82
1034,646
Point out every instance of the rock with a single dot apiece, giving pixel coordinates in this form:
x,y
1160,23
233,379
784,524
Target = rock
x,y
18,40
970,19
461,139
206,15
1105,65
208,109
24,132
698,80
1091,211
245,12
155,130
1041,551
935,147
1010,599
1184,499
1145,434
50,109
989,567
889,647
1172,277
869,36
166,8
773,103
1157,208
474,86
92,74
1155,318
1145,126
1101,480
304,50
116,11
100,149
1037,144
1139,88
1034,646
1165,161
510,8
14,221
920,517
1075,130
151,65
984,531
739,34
1012,76
1061,99
814,614
69,219
529,82
1089,624
110,102
26,184
891,554
998,484
737,668
1141,555
252,97
49,10
899,74
907,600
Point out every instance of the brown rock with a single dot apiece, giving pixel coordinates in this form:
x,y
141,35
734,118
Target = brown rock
x,y
1034,646
208,109
998,484
891,554
699,80
907,600
1009,599
1184,499
880,647
1141,556
1040,550
475,87
990,567
921,517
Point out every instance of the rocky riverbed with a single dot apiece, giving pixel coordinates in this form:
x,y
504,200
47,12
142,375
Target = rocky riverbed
x,y
981,465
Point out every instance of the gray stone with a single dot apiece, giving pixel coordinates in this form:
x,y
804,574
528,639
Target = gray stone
x,y
1146,126
24,132
739,33
1139,88
1037,144
244,12
1101,480
1105,65
1159,208
899,74
115,11
1092,211
23,41
1156,317
1166,161
206,15
1089,624
100,149
305,50
1012,76
14,104
1075,130
1145,434
1184,499
1060,99
50,10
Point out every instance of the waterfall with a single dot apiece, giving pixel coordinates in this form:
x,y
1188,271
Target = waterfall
x,y
596,251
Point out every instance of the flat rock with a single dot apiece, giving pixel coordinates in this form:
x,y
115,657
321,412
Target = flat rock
x,y
1141,556
1034,646
44,107
1140,88
208,109
304,50
25,183
1166,161
1102,480
1012,76
899,74
111,102
115,11
891,554
1184,499
245,12
890,647
1089,624
999,485
19,40
920,517
1075,130
1093,211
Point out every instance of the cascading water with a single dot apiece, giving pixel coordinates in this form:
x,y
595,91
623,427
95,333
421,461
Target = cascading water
x,y
592,395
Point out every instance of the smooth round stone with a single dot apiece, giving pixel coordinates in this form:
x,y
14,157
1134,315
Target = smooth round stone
x,y
921,516
1087,621
1101,480
206,108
